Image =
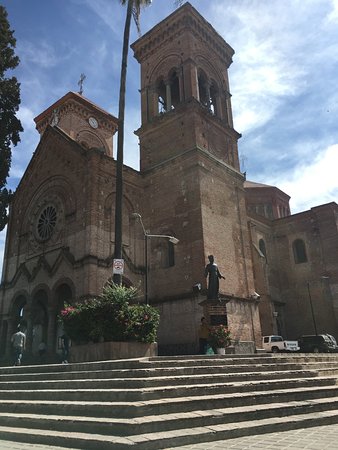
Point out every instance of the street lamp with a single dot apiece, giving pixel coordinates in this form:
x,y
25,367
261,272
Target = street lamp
x,y
147,236
311,305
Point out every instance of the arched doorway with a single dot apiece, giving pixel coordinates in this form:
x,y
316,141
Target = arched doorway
x,y
18,315
39,320
63,297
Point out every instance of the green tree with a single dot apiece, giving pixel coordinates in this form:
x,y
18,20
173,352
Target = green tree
x,y
133,9
10,125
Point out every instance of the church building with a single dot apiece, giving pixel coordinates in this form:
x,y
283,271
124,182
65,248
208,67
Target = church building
x,y
60,236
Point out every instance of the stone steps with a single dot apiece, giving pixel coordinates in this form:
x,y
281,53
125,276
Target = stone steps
x,y
139,383
166,439
145,376
165,402
165,422
165,405
153,393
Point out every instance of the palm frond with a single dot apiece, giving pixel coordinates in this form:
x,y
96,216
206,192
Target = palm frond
x,y
136,11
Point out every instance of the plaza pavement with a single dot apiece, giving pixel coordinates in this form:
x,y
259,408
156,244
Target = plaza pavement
x,y
316,438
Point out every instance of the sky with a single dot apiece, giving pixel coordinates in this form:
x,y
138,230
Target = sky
x,y
283,80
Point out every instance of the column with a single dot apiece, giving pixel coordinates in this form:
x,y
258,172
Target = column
x,y
29,332
168,94
190,79
51,332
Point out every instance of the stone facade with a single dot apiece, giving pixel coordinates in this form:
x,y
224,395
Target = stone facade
x,y
296,266
60,238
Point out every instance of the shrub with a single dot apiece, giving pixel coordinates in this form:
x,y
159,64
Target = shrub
x,y
220,336
143,323
111,317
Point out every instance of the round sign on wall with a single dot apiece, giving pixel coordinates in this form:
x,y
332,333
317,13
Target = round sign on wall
x,y
118,266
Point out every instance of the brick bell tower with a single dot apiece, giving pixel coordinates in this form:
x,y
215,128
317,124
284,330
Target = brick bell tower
x,y
189,161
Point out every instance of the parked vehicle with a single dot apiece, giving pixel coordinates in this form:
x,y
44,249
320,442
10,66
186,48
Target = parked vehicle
x,y
332,338
277,344
317,343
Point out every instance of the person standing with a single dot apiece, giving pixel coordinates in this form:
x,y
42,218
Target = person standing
x,y
203,334
18,341
65,348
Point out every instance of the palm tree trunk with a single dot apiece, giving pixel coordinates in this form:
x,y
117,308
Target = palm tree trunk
x,y
120,137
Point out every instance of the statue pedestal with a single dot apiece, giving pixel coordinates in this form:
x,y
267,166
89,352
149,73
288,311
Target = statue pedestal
x,y
215,311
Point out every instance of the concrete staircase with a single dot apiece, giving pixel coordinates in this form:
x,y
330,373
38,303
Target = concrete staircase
x,y
156,403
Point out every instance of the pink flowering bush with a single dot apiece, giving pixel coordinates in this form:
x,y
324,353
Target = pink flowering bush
x,y
220,336
111,317
143,323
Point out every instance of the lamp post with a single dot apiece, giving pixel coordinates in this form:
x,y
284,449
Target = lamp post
x,y
148,236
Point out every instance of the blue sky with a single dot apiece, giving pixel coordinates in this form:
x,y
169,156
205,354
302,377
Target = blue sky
x,y
283,80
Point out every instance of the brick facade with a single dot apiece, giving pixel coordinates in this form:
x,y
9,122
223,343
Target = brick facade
x,y
189,186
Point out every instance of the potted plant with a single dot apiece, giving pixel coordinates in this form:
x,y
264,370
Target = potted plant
x,y
220,338
111,322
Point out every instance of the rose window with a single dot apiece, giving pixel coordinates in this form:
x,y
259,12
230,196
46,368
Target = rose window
x,y
46,223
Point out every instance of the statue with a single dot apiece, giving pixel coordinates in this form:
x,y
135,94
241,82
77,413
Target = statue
x,y
211,269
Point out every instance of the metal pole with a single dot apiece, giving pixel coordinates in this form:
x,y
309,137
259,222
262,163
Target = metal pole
x,y
147,236
312,312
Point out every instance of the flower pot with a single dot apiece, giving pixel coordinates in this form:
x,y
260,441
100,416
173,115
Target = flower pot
x,y
220,351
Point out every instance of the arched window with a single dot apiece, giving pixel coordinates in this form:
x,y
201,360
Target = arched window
x,y
262,248
18,312
163,253
208,93
63,296
175,89
168,92
171,254
161,97
203,90
299,251
213,98
40,319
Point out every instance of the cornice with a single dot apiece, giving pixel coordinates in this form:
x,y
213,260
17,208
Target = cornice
x,y
76,103
182,20
181,110
202,152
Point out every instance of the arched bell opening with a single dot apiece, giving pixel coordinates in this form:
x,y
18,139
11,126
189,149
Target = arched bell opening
x,y
174,85
203,89
214,95
161,97
168,92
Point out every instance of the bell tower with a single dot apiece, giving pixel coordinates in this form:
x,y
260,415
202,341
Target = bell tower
x,y
189,161
184,65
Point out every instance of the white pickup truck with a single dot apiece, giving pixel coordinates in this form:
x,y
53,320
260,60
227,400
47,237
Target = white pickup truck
x,y
277,344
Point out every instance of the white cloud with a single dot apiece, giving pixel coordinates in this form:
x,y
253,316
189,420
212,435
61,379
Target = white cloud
x,y
26,116
111,14
312,184
264,69
40,55
333,16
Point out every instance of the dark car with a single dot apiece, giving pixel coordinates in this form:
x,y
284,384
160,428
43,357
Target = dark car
x,y
316,343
